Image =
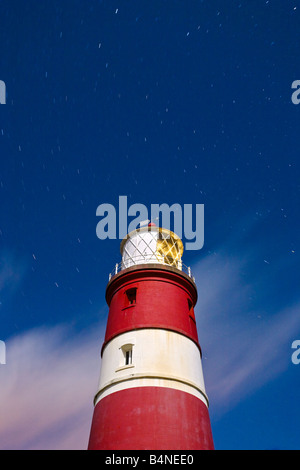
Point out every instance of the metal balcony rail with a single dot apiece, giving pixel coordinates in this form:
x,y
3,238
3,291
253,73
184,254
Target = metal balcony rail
x,y
150,259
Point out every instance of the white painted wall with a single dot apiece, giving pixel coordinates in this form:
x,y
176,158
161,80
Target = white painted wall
x,y
159,358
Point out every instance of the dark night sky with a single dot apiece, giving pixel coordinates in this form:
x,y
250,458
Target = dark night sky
x,y
183,102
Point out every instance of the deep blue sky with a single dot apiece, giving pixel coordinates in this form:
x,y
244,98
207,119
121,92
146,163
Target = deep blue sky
x,y
183,102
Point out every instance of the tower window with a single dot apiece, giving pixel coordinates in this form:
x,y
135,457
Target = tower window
x,y
131,296
125,357
127,354
128,357
191,310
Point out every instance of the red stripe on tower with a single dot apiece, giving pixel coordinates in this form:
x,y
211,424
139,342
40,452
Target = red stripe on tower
x,y
151,392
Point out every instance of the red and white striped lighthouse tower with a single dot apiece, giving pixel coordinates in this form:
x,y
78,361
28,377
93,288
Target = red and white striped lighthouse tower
x,y
151,392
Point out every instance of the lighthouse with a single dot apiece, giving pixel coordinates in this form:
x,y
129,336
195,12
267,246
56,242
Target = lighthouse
x,y
151,393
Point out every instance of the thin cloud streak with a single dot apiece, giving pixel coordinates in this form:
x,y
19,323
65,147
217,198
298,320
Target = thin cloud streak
x,y
243,346
47,389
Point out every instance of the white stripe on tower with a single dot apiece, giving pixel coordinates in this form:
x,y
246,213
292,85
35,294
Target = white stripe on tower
x,y
151,357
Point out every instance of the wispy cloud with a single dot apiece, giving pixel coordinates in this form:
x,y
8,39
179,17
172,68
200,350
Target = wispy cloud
x,y
49,379
47,388
244,345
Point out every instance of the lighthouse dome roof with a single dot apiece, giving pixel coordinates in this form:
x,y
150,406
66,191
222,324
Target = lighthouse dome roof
x,y
151,244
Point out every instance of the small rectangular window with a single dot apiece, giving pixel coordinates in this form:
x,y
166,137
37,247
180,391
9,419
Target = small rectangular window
x,y
127,354
131,296
191,310
128,357
125,357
